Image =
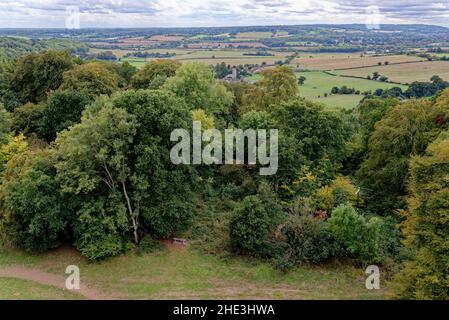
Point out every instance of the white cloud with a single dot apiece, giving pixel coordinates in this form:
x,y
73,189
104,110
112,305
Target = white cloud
x,y
174,13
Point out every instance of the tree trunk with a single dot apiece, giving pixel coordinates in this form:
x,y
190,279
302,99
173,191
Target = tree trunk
x,y
131,214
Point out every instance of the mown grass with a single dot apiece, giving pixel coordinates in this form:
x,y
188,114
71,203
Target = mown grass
x,y
15,289
184,273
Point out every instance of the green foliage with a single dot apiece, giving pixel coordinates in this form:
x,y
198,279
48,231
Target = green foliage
x,y
311,146
154,74
127,71
100,226
195,83
256,120
26,119
63,109
161,188
238,90
95,78
277,85
148,245
15,146
308,239
37,212
13,48
359,237
404,131
426,227
249,224
5,124
207,122
340,191
35,75
371,111
94,168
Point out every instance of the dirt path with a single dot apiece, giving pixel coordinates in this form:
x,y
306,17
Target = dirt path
x,y
25,273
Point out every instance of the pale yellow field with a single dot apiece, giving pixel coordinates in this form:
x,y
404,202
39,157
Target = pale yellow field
x,y
233,57
253,35
333,61
117,52
405,73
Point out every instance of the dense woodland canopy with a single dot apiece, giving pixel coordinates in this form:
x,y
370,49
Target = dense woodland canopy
x,y
84,159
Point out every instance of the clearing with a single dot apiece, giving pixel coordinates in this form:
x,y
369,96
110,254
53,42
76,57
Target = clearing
x,y
176,272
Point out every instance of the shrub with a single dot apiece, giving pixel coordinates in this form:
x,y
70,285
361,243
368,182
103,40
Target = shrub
x,y
37,214
309,239
249,225
148,245
360,238
99,228
340,191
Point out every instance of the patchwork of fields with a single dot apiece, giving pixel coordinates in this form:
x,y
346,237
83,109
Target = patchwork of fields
x,y
345,69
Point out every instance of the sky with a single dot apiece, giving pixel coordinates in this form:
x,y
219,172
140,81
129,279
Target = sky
x,y
199,13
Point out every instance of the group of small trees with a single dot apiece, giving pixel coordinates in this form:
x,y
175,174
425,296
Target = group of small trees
x,y
344,90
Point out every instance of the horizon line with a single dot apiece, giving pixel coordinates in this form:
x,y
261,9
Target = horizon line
x,y
232,26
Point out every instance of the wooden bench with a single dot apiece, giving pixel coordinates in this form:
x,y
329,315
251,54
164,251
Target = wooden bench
x,y
180,241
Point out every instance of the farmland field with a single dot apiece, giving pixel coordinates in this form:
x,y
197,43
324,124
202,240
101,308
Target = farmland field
x,y
318,83
253,35
232,57
332,61
405,73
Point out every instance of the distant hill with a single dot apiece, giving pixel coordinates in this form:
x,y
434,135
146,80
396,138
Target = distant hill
x,y
14,47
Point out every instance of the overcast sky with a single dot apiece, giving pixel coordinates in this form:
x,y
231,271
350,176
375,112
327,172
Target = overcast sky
x,y
185,13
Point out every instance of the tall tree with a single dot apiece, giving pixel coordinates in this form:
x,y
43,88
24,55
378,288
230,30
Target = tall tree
x,y
37,74
62,110
154,74
426,226
95,77
405,130
277,85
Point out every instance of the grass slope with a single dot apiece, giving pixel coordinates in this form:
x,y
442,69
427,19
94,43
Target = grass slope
x,y
183,273
15,289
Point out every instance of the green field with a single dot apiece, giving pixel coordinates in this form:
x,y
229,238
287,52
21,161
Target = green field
x,y
136,62
15,289
318,83
182,273
229,56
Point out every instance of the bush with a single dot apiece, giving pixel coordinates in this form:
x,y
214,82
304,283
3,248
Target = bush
x,y
249,225
148,245
100,226
37,215
360,238
309,240
340,191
